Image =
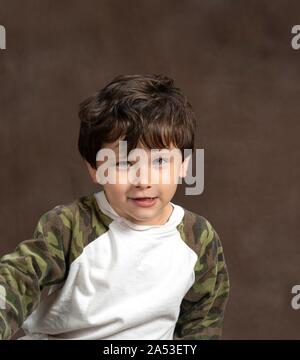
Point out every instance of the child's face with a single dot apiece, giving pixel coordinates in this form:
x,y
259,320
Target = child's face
x,y
121,195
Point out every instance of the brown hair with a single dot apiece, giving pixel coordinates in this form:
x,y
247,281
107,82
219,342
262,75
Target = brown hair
x,y
145,108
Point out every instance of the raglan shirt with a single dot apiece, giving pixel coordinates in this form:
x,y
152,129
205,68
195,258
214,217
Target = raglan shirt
x,y
111,279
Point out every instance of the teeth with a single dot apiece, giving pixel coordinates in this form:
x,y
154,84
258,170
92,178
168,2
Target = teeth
x,y
145,198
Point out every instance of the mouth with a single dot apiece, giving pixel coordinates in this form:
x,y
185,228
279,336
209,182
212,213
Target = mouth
x,y
144,201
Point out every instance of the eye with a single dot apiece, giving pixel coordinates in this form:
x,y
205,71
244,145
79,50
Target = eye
x,y
158,162
123,164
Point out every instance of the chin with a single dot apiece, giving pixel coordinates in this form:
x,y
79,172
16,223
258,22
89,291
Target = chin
x,y
142,218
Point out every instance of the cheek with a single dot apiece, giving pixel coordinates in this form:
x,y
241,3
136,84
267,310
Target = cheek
x,y
166,191
108,174
169,175
116,191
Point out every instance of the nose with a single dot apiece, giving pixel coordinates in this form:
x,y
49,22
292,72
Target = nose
x,y
142,186
143,177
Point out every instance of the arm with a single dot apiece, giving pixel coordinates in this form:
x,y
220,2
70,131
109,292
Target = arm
x,y
202,309
34,263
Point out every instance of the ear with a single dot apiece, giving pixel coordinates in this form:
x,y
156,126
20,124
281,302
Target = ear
x,y
184,167
92,172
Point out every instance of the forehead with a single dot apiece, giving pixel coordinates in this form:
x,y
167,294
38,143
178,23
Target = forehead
x,y
116,144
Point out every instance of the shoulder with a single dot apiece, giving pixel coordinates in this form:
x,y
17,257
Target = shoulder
x,y
74,224
81,218
64,220
197,227
70,211
199,233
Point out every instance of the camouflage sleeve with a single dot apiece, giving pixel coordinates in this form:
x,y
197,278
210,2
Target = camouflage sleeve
x,y
202,309
33,264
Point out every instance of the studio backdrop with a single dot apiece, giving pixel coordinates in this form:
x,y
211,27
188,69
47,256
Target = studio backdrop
x,y
238,62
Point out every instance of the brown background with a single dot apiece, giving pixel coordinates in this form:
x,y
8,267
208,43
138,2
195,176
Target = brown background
x,y
233,60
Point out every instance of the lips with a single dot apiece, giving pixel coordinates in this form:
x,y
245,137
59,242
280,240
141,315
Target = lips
x,y
144,197
145,201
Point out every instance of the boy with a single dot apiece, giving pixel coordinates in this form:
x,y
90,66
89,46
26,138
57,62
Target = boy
x,y
124,262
